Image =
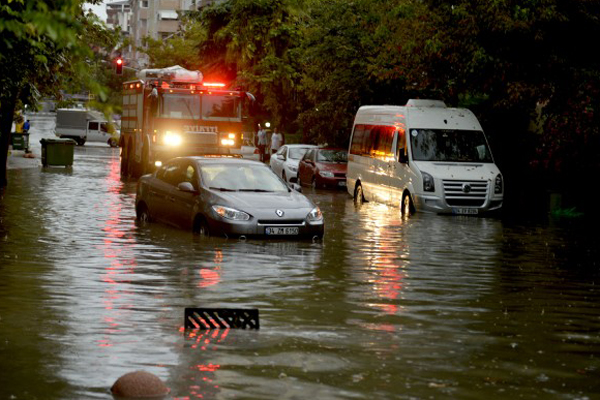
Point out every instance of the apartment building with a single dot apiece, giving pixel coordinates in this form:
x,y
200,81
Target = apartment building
x,y
157,19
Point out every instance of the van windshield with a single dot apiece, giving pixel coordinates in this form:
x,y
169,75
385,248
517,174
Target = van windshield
x,y
449,145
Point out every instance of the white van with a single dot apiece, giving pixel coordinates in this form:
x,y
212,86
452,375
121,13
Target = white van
x,y
84,125
423,157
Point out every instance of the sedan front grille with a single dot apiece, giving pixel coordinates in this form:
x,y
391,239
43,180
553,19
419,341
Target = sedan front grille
x,y
465,193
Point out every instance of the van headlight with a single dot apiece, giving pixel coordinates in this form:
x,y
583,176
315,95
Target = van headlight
x,y
315,214
326,174
172,138
231,213
498,185
428,184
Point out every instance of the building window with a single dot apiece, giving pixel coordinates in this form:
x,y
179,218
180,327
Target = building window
x,y
144,3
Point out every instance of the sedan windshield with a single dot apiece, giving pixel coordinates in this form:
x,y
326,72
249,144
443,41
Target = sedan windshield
x,y
332,156
449,145
297,153
241,177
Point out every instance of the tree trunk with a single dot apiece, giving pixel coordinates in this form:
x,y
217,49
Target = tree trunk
x,y
7,110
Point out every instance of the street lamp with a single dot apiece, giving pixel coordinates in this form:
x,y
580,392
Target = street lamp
x,y
268,124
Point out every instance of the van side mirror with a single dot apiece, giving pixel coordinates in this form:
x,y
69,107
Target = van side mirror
x,y
403,157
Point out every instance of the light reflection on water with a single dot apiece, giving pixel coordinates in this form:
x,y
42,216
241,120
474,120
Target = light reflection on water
x,y
384,307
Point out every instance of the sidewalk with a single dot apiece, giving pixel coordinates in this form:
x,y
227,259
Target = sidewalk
x,y
18,159
42,126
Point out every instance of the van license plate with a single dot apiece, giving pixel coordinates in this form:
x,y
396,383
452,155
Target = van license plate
x,y
288,230
465,211
342,183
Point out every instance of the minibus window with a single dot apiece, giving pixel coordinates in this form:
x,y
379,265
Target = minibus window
x,y
358,141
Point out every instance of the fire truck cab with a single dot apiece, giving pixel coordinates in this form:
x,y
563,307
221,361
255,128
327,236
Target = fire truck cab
x,y
172,112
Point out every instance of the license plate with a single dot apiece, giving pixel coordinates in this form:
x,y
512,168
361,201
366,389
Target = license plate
x,y
342,183
465,211
288,230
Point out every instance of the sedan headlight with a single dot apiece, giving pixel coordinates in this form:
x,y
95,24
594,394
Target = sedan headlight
x,y
231,213
428,184
315,214
172,139
326,174
293,168
498,185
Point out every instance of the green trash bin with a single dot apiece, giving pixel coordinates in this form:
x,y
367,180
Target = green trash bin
x,y
57,152
19,141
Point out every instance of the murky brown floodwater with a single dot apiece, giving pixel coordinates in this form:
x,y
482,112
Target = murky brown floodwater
x,y
383,308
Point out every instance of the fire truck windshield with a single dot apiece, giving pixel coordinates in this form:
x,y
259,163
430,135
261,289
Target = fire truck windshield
x,y
180,106
221,108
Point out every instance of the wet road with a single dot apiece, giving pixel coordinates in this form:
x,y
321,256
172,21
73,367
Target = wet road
x,y
383,308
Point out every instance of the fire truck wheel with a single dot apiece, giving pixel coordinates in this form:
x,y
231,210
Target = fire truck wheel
x,y
124,161
132,167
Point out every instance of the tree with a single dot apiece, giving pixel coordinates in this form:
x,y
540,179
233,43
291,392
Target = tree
x,y
43,46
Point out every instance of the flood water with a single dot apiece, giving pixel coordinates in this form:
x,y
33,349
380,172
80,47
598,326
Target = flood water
x,y
429,307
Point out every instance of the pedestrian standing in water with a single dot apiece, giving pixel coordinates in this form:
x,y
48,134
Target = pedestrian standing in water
x,y
261,142
276,141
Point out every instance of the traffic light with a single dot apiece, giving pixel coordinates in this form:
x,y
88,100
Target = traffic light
x,y
119,67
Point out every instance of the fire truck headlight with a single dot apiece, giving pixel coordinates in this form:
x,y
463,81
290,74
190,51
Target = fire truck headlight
x,y
172,139
227,142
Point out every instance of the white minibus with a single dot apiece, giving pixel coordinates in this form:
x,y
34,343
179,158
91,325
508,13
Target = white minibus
x,y
423,157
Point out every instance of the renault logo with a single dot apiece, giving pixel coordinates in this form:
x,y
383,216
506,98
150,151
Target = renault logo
x,y
279,213
466,188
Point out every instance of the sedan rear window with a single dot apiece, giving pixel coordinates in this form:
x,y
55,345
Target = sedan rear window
x,y
251,178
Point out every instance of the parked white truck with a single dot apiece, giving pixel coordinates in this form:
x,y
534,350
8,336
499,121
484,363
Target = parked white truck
x,y
423,156
84,125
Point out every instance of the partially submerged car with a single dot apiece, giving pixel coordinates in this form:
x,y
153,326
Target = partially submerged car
x,y
285,162
220,196
324,167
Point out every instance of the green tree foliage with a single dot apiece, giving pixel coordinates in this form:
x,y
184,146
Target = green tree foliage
x,y
44,46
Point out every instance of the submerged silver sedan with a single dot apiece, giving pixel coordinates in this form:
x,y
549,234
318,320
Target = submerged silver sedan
x,y
226,197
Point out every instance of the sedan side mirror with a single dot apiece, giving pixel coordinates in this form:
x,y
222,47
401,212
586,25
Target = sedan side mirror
x,y
296,187
186,187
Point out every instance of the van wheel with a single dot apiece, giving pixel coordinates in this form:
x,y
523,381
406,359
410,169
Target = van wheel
x,y
201,227
359,196
112,142
80,142
408,207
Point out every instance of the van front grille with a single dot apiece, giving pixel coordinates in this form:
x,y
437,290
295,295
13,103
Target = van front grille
x,y
465,193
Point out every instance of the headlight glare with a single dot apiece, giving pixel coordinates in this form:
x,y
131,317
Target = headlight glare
x,y
172,139
315,214
231,213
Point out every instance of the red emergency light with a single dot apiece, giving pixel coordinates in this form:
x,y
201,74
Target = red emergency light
x,y
213,84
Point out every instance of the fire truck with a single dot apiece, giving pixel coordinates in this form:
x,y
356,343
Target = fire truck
x,y
171,112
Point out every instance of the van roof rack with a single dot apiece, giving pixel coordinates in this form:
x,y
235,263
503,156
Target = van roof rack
x,y
425,103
